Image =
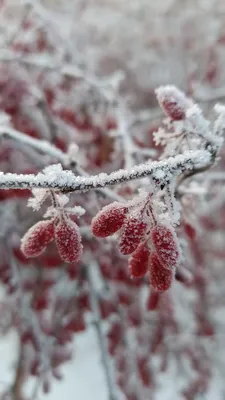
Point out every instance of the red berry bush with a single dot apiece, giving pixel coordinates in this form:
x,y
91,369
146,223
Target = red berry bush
x,y
111,194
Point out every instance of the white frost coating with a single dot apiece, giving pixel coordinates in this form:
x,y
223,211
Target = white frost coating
x,y
39,196
191,130
55,178
171,93
159,174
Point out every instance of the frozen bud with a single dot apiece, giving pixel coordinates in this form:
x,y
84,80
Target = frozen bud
x,y
109,220
37,238
68,240
166,246
173,102
138,263
132,234
160,277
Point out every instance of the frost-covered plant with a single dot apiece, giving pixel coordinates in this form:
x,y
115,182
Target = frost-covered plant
x,y
120,201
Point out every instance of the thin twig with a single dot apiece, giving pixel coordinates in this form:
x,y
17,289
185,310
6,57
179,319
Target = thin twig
x,y
100,335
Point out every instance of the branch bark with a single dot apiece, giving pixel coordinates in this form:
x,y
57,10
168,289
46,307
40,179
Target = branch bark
x,y
160,173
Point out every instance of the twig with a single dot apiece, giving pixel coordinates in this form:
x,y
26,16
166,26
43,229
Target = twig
x,y
160,172
45,147
100,335
17,387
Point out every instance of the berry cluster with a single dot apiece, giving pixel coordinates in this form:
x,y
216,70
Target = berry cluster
x,y
153,246
62,229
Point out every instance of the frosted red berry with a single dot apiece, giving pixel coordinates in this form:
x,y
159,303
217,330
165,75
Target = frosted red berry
x,y
160,277
37,238
132,234
138,263
68,240
109,220
173,102
165,244
152,301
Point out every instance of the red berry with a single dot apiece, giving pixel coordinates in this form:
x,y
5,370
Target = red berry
x,y
173,102
68,240
37,238
165,245
132,234
160,278
138,263
109,220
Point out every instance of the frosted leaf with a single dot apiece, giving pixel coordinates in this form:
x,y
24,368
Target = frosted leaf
x,y
160,137
62,199
39,196
198,123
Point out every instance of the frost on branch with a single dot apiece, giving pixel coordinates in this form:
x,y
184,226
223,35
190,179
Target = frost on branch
x,y
187,128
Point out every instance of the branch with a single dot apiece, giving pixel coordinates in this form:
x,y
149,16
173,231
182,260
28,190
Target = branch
x,y
40,145
45,147
100,335
17,387
160,172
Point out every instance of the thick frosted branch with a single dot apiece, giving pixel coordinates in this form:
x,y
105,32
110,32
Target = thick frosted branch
x,y
160,172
